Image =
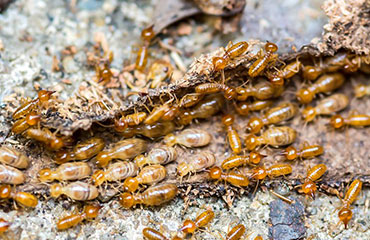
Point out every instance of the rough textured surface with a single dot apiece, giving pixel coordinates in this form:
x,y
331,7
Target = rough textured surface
x,y
287,220
25,65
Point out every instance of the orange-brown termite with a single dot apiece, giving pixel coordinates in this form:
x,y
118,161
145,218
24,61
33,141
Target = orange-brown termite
x,y
189,138
115,172
354,120
66,172
235,50
232,134
129,121
89,212
206,108
262,90
161,155
274,136
260,173
278,114
23,124
233,177
236,161
153,196
29,106
196,163
334,103
243,108
148,175
46,137
124,150
308,151
13,157
207,88
23,198
313,174
325,84
76,190
152,234
345,213
236,232
286,72
11,175
81,151
263,59
190,226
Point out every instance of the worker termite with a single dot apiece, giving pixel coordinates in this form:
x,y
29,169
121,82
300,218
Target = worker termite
x,y
65,172
196,163
46,137
190,99
142,55
152,234
325,84
308,151
153,196
278,114
89,212
206,108
232,134
23,124
236,161
76,190
148,175
354,120
23,198
236,232
189,226
286,72
207,88
243,108
129,121
157,113
233,177
274,136
4,225
189,138
263,59
42,97
345,213
330,64
124,149
313,174
11,175
83,150
235,50
362,90
13,157
115,172
162,155
334,103
156,130
262,90
260,173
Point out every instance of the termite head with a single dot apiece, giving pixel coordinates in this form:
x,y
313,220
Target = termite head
x,y
126,200
337,121
345,215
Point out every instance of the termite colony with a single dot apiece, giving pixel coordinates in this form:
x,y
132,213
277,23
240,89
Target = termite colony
x,y
140,170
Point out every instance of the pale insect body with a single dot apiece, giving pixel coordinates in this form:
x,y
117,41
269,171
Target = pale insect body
x,y
199,162
11,175
65,172
115,172
77,191
13,158
162,155
189,138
